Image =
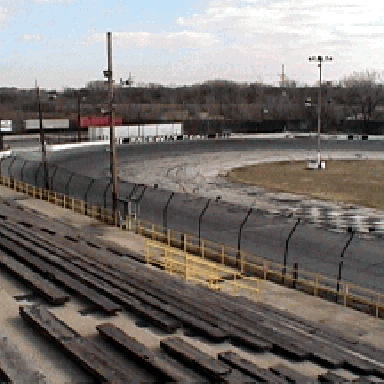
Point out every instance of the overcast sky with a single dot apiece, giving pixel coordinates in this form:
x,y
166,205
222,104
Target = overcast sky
x,y
62,43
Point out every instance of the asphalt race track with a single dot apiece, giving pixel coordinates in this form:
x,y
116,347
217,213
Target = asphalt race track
x,y
312,248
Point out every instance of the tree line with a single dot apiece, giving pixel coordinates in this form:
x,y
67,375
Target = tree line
x,y
358,97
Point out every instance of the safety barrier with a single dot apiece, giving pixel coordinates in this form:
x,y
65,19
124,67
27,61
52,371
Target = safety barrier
x,y
251,267
248,265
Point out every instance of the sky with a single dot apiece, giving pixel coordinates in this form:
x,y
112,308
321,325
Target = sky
x,y
62,43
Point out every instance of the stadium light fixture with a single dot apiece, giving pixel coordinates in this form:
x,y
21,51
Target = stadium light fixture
x,y
319,60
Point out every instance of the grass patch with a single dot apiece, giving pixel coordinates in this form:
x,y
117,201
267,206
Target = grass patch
x,y
353,181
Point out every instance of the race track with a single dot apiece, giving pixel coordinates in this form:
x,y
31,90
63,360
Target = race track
x,y
312,248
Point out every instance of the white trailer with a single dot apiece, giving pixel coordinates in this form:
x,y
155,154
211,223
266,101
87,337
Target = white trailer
x,y
141,131
6,126
47,124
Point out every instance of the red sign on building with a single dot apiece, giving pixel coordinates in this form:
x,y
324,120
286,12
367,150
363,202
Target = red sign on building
x,y
99,121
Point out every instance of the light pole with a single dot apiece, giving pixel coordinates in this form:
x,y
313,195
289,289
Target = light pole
x,y
319,59
42,141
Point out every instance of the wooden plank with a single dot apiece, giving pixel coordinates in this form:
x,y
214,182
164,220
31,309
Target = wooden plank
x,y
192,356
234,360
14,368
48,323
291,375
50,292
164,306
91,358
331,377
43,267
141,353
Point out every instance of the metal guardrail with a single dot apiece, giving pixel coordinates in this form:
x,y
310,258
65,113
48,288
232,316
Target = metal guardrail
x,y
249,265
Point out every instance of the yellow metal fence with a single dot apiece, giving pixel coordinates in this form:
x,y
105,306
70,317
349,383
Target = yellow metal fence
x,y
248,265
201,271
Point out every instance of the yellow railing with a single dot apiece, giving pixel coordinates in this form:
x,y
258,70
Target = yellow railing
x,y
245,263
251,265
199,270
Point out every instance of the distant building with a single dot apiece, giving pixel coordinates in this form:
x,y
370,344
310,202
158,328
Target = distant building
x,y
99,85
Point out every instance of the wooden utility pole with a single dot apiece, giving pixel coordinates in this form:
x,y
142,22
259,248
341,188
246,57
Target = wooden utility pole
x,y
113,158
42,140
282,77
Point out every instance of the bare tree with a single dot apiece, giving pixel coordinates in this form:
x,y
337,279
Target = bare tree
x,y
363,91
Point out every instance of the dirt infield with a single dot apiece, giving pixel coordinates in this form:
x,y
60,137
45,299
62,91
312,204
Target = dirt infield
x,y
358,182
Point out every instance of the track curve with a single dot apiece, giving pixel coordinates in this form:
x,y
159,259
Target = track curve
x,y
313,248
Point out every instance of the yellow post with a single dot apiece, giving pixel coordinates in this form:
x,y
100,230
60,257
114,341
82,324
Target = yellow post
x,y
316,284
222,255
265,269
185,242
185,267
345,294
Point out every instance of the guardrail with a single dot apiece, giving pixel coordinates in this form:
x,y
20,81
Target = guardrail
x,y
248,265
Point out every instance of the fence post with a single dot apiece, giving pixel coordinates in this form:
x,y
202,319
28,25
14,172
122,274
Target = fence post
x,y
22,170
86,195
105,193
10,166
286,248
345,294
222,255
186,267
68,182
36,173
169,237
153,231
341,260
241,262
1,163
185,243
54,174
265,269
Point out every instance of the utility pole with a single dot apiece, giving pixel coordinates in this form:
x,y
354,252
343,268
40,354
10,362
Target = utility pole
x,y
113,158
319,59
282,77
42,140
